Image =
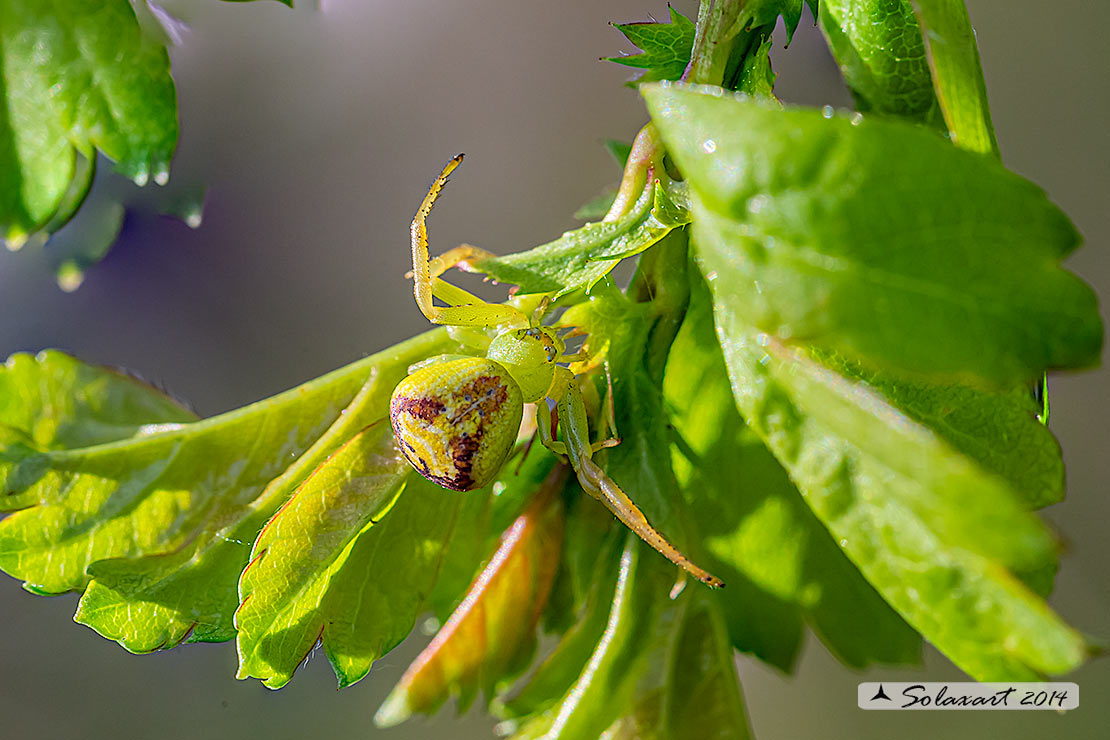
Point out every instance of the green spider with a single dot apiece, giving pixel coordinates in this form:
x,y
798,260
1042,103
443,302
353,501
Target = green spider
x,y
456,418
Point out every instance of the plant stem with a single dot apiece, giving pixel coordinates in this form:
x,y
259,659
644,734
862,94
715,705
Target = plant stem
x,y
718,25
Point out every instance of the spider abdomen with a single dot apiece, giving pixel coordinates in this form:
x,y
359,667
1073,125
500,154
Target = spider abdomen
x,y
456,421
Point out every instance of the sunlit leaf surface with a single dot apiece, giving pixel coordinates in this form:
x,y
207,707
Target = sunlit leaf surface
x,y
941,540
664,47
190,494
781,565
580,258
879,240
879,48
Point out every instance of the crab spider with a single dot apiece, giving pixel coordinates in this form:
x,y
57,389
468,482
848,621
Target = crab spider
x,y
456,418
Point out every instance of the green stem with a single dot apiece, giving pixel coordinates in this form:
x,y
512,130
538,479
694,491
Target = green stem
x,y
718,26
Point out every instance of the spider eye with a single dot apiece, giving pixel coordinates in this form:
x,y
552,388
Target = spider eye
x,y
526,348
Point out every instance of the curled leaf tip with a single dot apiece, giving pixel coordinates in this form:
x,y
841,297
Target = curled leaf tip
x,y
394,710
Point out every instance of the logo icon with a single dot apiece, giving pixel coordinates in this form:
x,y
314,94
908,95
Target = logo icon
x,y
880,694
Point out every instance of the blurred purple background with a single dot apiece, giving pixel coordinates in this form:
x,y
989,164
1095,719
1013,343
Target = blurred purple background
x,y
317,132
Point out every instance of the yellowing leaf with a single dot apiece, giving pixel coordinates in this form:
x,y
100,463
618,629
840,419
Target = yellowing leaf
x,y
496,620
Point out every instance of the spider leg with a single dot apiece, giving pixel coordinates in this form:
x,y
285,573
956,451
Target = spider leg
x,y
572,416
547,438
460,257
470,337
465,309
543,424
610,412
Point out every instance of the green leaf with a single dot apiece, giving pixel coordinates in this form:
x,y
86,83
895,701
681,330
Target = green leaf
x,y
170,486
464,553
755,76
607,682
484,638
957,77
779,562
618,150
589,539
879,240
186,204
190,595
697,695
77,81
662,668
580,258
75,196
879,48
384,584
665,47
755,13
999,430
702,693
940,539
347,562
596,208
52,401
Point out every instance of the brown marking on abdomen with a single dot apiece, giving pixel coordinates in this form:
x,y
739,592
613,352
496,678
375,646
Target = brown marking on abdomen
x,y
463,449
422,408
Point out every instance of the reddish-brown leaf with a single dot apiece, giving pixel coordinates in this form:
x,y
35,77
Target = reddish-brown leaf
x,y
496,621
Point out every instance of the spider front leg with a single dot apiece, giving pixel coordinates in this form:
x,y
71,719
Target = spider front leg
x,y
577,447
463,309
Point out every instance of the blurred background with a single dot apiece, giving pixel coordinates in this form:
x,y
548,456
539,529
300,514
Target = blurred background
x,y
317,131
